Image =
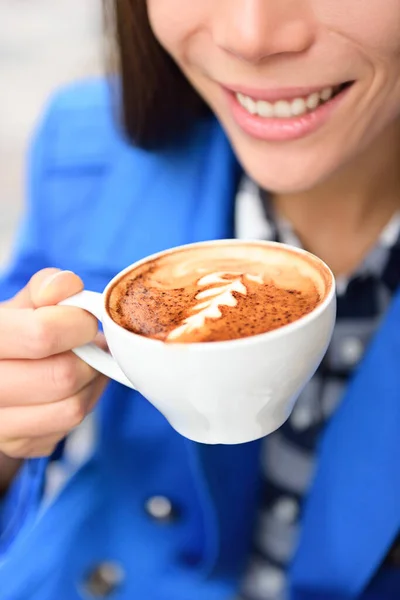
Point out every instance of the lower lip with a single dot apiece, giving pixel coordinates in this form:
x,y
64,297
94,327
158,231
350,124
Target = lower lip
x,y
282,130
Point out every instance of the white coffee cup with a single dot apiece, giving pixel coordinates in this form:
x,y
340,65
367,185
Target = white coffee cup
x,y
226,392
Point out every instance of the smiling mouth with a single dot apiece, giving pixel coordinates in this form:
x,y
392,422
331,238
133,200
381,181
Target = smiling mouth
x,y
290,108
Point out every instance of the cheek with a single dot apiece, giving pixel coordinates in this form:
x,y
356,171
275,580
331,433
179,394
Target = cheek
x,y
174,22
372,25
373,28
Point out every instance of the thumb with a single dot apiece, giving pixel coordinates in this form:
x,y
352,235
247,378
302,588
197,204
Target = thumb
x,y
23,298
46,288
54,286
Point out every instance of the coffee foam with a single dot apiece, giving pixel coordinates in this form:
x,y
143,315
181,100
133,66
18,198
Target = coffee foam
x,y
218,292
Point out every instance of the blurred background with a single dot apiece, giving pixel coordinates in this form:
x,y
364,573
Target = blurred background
x,y
43,44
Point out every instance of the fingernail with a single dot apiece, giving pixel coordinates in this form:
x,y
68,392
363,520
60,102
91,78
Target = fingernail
x,y
49,280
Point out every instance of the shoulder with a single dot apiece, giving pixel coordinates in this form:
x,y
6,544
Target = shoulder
x,y
81,128
81,124
83,96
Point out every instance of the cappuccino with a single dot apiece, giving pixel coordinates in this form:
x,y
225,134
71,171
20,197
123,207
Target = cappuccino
x,y
218,292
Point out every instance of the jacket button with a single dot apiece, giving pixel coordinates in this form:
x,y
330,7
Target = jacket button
x,y
103,580
161,509
351,351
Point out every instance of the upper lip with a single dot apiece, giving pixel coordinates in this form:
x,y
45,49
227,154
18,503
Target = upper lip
x,y
274,94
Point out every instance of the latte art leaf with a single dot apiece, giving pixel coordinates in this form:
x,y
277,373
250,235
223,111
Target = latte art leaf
x,y
212,298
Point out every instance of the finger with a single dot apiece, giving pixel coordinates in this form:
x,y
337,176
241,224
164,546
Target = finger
x,y
36,334
31,382
47,419
46,288
32,448
98,387
23,299
101,341
52,290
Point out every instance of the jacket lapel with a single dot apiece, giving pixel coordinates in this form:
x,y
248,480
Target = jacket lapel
x,y
353,512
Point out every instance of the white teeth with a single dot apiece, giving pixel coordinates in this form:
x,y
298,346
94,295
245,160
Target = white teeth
x,y
265,109
247,102
284,109
298,107
326,94
250,105
313,101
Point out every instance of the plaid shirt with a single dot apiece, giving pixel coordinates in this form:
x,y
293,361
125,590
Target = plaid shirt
x,y
289,457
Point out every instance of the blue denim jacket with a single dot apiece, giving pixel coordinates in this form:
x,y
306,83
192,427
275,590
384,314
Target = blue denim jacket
x,y
96,205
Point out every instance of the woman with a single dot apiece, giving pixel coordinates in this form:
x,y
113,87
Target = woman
x,y
247,118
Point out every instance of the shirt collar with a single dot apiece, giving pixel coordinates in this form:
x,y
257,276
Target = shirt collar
x,y
256,219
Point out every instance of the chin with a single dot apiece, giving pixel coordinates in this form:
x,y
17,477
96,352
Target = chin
x,y
287,167
284,171
285,180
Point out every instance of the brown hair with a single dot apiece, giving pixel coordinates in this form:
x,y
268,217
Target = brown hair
x,y
158,103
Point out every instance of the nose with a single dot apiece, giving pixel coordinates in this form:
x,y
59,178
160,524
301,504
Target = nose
x,y
253,30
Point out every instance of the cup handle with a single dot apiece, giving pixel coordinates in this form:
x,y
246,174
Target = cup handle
x,y
94,356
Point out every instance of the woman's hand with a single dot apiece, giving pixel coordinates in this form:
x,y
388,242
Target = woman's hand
x,y
45,390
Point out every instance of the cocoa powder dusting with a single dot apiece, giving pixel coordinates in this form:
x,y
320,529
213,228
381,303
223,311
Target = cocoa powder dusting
x,y
155,312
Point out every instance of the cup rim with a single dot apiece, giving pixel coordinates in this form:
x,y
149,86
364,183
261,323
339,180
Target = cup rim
x,y
245,341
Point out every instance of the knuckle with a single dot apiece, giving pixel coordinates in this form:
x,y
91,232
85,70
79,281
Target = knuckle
x,y
65,373
42,453
42,450
42,340
20,448
75,412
